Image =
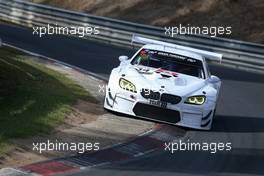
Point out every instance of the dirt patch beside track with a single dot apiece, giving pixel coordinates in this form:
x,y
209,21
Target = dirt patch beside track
x,y
89,123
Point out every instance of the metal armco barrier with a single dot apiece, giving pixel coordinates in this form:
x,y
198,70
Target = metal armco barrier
x,y
238,54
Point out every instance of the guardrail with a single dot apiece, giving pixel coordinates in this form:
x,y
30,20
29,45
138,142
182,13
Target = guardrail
x,y
239,54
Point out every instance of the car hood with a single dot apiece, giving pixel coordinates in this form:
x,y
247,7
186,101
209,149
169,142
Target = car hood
x,y
157,80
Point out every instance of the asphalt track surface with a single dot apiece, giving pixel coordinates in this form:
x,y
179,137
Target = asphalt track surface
x,y
239,117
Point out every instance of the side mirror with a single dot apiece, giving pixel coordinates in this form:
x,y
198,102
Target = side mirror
x,y
123,58
214,79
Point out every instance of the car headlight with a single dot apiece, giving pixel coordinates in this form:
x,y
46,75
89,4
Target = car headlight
x,y
197,100
127,85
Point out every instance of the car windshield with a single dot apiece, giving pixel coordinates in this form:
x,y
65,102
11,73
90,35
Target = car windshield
x,y
169,61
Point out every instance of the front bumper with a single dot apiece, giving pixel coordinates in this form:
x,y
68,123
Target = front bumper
x,y
193,116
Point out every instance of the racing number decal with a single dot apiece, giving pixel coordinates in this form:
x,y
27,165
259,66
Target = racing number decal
x,y
167,72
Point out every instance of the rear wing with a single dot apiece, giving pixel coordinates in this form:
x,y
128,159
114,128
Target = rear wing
x,y
207,54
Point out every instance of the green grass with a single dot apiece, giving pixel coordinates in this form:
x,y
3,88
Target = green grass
x,y
33,98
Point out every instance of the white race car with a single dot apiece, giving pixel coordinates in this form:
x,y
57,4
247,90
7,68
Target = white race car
x,y
167,83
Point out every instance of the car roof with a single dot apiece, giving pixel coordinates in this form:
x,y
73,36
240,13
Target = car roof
x,y
173,50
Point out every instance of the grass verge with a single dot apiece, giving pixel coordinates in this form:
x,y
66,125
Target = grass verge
x,y
33,98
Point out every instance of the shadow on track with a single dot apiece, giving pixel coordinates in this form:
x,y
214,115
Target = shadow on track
x,y
238,124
